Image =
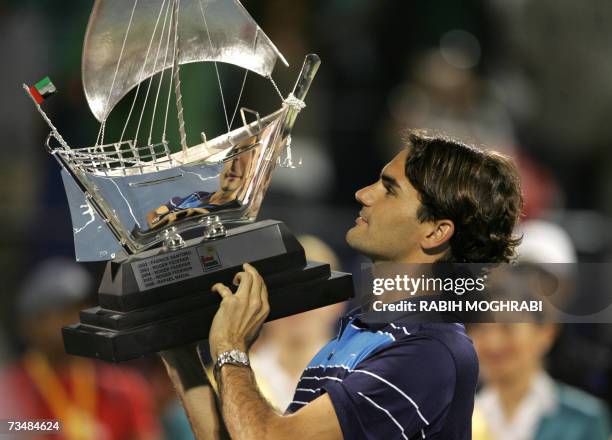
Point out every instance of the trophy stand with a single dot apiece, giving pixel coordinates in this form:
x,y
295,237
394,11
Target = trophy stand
x,y
162,298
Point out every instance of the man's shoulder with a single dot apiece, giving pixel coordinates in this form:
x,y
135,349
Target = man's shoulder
x,y
434,361
431,355
420,379
440,340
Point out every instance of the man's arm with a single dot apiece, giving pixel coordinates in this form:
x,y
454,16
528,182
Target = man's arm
x,y
195,392
248,415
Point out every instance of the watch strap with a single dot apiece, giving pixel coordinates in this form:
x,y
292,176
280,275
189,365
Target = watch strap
x,y
233,357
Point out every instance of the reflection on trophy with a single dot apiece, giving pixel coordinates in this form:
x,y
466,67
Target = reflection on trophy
x,y
235,173
172,220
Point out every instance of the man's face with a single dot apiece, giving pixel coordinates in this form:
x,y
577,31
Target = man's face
x,y
387,228
234,171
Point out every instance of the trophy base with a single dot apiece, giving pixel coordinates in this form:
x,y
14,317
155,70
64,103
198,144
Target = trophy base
x,y
132,322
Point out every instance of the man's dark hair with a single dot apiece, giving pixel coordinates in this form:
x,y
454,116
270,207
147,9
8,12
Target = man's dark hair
x,y
479,190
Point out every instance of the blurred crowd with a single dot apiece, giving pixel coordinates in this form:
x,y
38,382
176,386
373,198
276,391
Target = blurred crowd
x,y
530,78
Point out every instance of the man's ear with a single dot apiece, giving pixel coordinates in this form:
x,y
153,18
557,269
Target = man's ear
x,y
438,236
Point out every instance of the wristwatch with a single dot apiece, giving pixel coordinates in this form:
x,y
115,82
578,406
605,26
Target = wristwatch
x,y
234,357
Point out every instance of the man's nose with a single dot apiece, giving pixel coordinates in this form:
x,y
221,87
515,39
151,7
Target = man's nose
x,y
364,196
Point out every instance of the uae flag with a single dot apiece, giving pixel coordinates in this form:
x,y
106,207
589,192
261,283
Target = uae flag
x,y
42,90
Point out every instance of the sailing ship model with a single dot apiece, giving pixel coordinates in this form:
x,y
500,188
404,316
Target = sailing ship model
x,y
128,195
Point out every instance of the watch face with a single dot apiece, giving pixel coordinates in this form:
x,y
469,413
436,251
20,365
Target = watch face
x,y
240,356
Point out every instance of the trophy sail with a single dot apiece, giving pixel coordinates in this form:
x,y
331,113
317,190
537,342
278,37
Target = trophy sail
x,y
120,49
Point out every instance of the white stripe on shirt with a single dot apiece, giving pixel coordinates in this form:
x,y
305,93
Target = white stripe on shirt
x,y
380,332
403,328
299,402
386,412
397,389
329,366
369,374
310,390
322,377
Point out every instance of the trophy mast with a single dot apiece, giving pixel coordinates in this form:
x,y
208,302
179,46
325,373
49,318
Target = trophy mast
x,y
176,70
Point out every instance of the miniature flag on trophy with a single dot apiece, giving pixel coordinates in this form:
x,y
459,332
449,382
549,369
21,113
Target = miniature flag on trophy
x,y
42,90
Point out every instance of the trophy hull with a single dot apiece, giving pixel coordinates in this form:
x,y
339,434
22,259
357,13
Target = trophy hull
x,y
161,300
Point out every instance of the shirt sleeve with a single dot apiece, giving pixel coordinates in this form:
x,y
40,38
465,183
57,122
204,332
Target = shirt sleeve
x,y
401,391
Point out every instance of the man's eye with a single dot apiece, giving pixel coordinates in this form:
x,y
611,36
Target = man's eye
x,y
389,190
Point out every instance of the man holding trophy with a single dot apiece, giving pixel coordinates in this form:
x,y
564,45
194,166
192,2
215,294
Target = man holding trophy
x,y
412,380
176,224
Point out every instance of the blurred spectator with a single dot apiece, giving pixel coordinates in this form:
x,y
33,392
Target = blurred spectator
x,y
287,345
92,400
519,400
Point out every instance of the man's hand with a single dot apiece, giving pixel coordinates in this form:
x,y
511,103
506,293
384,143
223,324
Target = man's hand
x,y
241,315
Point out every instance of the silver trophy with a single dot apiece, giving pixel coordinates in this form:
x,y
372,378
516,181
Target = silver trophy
x,y
172,220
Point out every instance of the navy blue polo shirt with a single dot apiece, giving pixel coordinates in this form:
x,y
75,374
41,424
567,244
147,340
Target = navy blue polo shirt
x,y
395,381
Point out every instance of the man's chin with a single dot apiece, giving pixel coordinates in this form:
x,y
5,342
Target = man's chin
x,y
349,235
353,238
